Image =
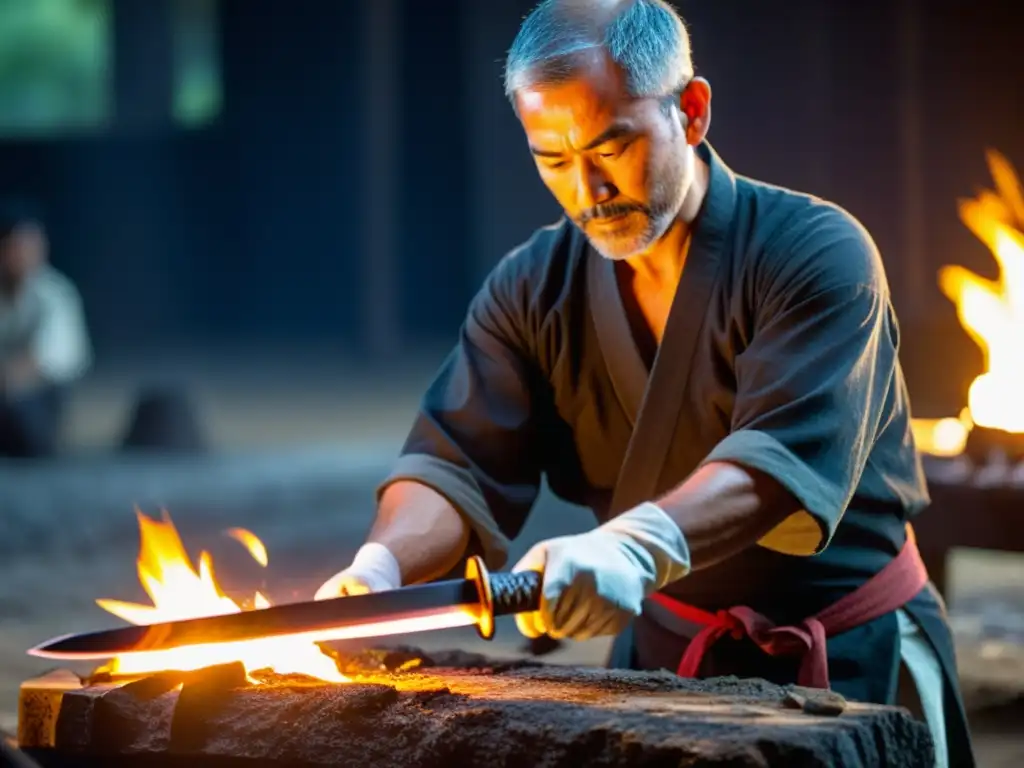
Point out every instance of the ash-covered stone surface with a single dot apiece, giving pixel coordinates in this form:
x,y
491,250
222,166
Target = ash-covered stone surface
x,y
403,658
395,713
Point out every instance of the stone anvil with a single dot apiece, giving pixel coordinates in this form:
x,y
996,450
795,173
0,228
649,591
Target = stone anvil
x,y
404,708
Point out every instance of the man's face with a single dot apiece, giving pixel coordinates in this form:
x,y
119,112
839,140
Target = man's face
x,y
615,163
21,253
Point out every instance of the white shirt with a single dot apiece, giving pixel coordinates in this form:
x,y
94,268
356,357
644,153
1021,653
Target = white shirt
x,y
45,320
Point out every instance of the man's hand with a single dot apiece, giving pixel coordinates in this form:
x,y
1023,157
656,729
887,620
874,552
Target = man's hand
x,y
374,569
595,582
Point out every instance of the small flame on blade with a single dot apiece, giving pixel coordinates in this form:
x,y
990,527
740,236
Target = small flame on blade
x,y
179,591
249,540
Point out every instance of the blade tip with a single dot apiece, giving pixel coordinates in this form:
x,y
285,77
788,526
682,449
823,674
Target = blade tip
x,y
48,649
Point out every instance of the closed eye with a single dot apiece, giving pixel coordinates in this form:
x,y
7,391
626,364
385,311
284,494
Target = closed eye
x,y
615,151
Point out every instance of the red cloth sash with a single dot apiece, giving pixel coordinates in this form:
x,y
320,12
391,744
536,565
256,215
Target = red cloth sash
x,y
888,590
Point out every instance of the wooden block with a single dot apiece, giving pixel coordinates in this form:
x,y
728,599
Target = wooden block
x,y
39,703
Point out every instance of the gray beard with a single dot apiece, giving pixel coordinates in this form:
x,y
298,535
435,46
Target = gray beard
x,y
658,224
627,249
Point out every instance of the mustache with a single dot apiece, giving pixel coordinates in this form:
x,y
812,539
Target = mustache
x,y
611,210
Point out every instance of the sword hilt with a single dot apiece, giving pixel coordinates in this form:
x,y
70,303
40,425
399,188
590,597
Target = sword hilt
x,y
502,594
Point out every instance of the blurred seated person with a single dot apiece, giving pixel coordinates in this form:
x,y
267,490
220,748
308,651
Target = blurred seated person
x,y
44,344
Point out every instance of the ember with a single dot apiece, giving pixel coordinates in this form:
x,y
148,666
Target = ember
x,y
992,312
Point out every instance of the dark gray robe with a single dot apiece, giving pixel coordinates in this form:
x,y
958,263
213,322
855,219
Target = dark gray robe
x,y
785,326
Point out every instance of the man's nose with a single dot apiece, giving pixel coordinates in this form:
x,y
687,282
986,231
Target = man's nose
x,y
592,186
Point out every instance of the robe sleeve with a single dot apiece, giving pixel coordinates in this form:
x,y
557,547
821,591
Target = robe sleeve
x,y
813,381
474,436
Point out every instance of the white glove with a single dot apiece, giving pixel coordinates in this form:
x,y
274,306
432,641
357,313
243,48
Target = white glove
x,y
595,582
374,569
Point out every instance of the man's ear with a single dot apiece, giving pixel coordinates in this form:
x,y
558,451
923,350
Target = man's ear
x,y
695,106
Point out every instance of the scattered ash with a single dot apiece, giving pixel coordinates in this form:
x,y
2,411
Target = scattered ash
x,y
398,659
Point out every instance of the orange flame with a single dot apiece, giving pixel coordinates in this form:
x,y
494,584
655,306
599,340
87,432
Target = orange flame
x,y
178,592
992,312
251,542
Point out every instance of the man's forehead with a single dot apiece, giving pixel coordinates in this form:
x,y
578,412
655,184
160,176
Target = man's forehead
x,y
593,96
593,72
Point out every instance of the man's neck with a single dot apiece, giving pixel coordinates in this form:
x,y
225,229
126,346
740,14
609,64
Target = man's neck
x,y
662,264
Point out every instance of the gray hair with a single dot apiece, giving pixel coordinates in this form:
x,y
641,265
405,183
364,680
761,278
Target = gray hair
x,y
645,38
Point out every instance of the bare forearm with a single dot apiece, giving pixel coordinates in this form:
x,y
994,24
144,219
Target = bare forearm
x,y
421,529
723,509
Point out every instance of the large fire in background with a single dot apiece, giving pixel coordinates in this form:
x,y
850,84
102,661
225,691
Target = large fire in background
x,y
992,312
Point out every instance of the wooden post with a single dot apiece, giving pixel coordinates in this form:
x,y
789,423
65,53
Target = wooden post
x,y
916,272
817,45
382,110
143,66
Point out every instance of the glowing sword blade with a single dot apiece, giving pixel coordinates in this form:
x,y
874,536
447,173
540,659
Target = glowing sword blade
x,y
475,600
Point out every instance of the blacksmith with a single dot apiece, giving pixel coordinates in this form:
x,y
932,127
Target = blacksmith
x,y
706,361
